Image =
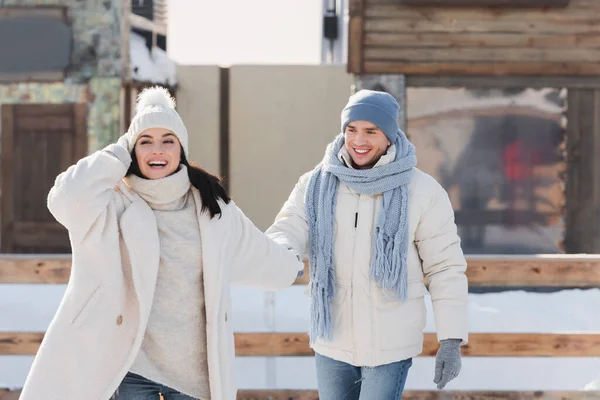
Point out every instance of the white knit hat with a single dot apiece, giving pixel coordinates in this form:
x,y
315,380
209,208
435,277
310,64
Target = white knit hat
x,y
155,108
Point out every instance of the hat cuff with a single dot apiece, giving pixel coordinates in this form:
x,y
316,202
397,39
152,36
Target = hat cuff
x,y
157,120
373,114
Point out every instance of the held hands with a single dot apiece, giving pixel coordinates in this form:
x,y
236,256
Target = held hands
x,y
447,362
301,272
294,253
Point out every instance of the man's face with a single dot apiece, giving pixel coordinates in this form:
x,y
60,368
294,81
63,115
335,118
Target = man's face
x,y
366,143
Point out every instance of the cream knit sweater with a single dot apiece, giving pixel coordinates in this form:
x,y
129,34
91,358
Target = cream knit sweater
x,y
173,351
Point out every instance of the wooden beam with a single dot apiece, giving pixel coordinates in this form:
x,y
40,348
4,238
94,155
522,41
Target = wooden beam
x,y
275,395
20,343
486,3
480,345
296,344
476,55
486,22
495,82
398,10
272,344
483,68
35,269
556,270
538,270
429,395
284,394
498,41
525,111
551,270
140,22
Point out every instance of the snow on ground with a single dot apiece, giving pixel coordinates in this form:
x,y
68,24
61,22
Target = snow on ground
x,y
31,307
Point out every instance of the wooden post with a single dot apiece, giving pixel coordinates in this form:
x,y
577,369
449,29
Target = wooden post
x,y
356,26
7,217
583,171
125,26
224,116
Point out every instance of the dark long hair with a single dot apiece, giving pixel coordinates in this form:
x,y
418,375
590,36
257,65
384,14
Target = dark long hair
x,y
209,186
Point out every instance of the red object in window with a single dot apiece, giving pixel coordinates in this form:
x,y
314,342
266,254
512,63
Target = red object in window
x,y
518,162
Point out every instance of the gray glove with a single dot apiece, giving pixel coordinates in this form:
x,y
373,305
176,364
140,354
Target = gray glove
x,y
123,142
120,151
447,362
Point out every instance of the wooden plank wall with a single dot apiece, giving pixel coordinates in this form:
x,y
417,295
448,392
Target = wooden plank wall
x,y
388,37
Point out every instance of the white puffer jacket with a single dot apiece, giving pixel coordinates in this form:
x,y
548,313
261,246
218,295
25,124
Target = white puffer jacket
x,y
369,329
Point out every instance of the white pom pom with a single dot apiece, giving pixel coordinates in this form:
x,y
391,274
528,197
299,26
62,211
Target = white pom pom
x,y
154,96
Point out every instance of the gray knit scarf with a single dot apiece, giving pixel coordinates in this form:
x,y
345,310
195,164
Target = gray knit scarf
x,y
390,242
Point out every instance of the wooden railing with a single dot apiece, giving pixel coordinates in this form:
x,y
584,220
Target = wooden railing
x,y
576,271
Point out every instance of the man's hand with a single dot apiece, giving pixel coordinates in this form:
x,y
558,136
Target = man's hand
x,y
447,362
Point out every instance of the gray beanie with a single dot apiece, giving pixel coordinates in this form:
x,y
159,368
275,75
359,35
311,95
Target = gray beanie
x,y
379,108
155,108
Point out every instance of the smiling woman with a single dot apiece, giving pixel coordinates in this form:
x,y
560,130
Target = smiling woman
x,y
157,153
158,243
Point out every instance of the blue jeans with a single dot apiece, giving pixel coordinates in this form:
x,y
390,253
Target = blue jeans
x,y
337,380
136,387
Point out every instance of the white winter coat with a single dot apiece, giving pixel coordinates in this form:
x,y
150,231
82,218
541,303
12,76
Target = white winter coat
x,y
98,329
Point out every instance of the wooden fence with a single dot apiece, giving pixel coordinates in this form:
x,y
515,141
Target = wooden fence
x,y
576,271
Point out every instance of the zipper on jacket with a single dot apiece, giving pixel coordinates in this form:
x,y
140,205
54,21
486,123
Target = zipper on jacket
x,y
355,220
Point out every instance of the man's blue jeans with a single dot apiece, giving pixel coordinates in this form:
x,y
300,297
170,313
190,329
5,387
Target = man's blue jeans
x,y
337,380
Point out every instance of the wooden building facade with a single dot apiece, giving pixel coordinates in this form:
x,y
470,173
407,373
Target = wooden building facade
x,y
506,45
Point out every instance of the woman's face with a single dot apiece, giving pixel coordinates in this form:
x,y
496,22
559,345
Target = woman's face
x,y
158,153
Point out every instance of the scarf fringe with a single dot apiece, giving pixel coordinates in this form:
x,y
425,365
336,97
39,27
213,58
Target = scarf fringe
x,y
320,326
388,268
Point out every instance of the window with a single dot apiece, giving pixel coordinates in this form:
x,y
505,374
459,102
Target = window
x,y
35,44
499,154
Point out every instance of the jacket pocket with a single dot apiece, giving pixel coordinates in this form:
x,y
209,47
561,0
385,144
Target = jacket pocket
x,y
341,320
401,324
88,305
416,288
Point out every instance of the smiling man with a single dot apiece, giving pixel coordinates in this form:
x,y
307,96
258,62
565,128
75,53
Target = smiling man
x,y
374,226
